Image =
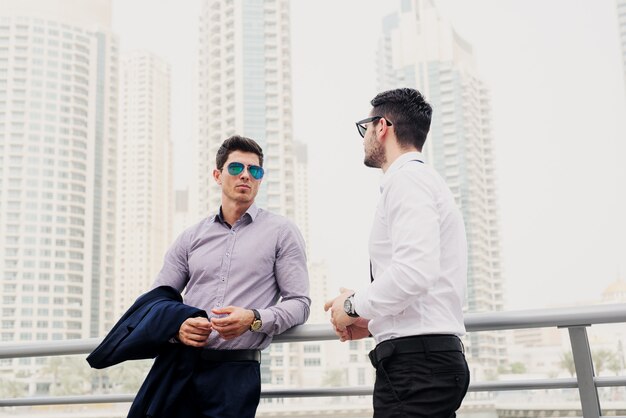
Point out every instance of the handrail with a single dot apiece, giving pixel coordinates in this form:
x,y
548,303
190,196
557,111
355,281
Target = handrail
x,y
492,321
576,319
509,385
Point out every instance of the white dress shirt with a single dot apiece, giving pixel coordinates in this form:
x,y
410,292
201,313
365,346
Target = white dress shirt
x,y
418,251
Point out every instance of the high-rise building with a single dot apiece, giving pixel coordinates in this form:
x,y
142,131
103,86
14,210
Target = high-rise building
x,y
145,200
182,216
301,190
621,22
58,128
244,88
421,50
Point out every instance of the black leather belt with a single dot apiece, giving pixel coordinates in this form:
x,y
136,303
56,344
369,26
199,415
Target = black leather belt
x,y
213,356
415,344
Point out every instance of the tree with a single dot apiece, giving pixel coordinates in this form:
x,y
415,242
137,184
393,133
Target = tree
x,y
129,376
518,368
567,363
334,378
615,364
12,389
67,375
601,360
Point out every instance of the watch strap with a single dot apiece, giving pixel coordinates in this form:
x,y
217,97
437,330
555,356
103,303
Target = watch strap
x,y
256,313
256,322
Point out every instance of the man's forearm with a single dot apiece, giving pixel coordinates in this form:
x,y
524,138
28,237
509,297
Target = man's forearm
x,y
284,315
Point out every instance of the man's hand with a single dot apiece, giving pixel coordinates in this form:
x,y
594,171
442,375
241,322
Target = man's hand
x,y
236,323
338,317
194,332
355,331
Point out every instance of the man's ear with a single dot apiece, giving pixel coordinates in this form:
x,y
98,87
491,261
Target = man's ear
x,y
382,126
217,175
381,131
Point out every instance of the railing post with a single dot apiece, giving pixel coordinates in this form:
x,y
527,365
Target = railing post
x,y
584,372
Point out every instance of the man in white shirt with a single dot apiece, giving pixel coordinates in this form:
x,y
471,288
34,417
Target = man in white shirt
x,y
413,306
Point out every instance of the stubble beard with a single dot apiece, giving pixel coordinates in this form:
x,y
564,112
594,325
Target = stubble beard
x,y
376,157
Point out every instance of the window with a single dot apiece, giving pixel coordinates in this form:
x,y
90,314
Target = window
x,y
312,362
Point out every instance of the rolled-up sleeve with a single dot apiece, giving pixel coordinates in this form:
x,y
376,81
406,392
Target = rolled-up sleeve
x,y
292,278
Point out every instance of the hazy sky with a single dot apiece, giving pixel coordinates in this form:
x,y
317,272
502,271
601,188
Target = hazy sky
x,y
555,75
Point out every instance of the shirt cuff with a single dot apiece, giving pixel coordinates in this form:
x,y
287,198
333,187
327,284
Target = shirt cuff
x,y
267,318
362,304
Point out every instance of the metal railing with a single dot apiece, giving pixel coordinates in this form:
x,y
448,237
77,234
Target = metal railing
x,y
575,319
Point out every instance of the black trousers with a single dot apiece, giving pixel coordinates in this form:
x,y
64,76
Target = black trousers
x,y
225,390
421,384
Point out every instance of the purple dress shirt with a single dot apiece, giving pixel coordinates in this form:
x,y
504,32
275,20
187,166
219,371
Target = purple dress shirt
x,y
259,262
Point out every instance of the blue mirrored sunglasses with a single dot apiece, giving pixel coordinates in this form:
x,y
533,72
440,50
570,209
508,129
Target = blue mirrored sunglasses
x,y
235,169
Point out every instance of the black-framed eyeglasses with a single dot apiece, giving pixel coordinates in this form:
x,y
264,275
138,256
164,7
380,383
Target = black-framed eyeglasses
x,y
360,125
235,169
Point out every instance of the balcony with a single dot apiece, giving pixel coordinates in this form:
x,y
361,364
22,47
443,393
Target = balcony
x,y
575,320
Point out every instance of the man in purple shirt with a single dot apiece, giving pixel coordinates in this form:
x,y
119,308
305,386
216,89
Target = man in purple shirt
x,y
247,268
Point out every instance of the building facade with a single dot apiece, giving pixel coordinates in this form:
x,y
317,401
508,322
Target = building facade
x,y
621,28
243,87
58,128
420,49
301,190
145,195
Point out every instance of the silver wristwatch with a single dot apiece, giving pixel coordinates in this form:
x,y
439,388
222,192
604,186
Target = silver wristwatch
x,y
348,307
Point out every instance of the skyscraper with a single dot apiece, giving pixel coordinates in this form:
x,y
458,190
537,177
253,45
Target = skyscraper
x,y
58,125
421,50
182,218
301,190
621,22
145,195
244,87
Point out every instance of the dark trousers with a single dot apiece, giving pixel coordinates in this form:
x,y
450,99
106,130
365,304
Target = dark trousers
x,y
226,390
420,384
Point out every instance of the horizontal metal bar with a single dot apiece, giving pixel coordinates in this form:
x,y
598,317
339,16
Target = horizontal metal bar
x,y
562,317
528,384
307,332
48,348
612,381
317,392
323,392
541,318
66,400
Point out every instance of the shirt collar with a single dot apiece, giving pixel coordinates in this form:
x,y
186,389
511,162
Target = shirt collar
x,y
252,213
398,164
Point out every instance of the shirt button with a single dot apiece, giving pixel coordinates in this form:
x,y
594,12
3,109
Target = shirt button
x,y
227,254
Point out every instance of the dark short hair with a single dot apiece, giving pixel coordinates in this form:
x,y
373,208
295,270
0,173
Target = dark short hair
x,y
237,143
409,113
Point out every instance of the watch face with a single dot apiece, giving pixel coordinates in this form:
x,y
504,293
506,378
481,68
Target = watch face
x,y
256,325
347,306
